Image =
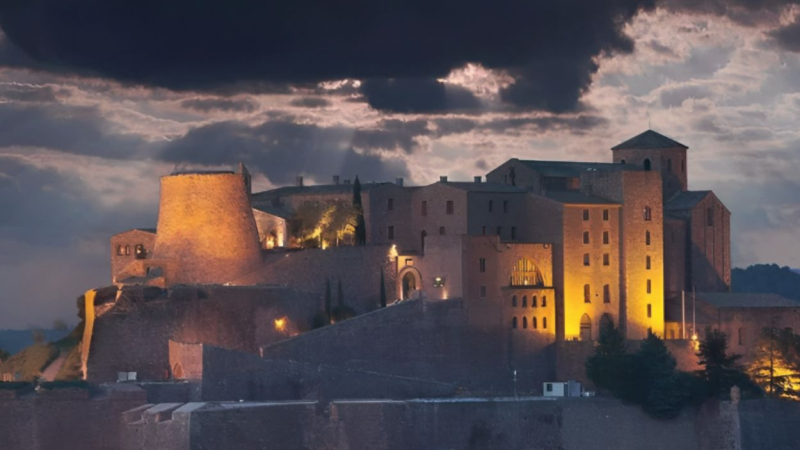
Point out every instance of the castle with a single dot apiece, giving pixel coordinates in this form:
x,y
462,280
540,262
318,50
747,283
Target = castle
x,y
477,290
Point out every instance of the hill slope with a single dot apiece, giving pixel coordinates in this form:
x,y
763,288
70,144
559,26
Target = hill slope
x,y
767,278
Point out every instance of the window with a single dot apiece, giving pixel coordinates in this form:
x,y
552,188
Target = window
x,y
647,262
741,336
605,237
606,259
390,204
120,250
424,208
669,165
605,215
585,214
483,291
585,259
524,322
139,251
390,233
549,387
544,300
491,205
514,323
587,294
710,217
422,235
450,208
482,265
544,322
505,206
622,161
499,231
649,311
647,237
441,230
513,232
514,301
525,273
647,213
533,322
127,249
606,294
647,165
524,301
649,287
585,237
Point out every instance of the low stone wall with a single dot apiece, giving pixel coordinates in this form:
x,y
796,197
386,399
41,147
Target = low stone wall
x,y
770,424
469,423
65,418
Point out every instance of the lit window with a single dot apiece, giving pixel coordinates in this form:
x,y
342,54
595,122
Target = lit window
x,y
585,214
127,249
450,208
606,294
120,250
390,204
390,233
438,282
647,213
605,215
647,237
482,265
606,259
441,230
585,259
424,208
525,273
649,286
649,310
587,294
139,252
585,237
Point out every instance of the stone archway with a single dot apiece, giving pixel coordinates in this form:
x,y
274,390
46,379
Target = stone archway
x,y
586,328
410,283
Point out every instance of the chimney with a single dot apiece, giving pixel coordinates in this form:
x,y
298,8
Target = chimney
x,y
443,179
336,179
398,181
478,179
298,181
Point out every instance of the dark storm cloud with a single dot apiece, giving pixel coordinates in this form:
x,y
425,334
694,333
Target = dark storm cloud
x,y
399,46
72,129
310,102
282,149
788,37
219,104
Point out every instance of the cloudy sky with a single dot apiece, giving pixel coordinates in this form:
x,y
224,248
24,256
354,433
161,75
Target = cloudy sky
x,y
99,98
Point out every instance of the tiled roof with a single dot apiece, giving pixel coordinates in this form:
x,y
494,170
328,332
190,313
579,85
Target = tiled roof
x,y
746,300
483,187
272,210
315,189
685,200
577,198
648,140
573,169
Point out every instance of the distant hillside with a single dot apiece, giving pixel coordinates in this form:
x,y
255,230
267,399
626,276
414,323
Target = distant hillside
x,y
13,341
767,278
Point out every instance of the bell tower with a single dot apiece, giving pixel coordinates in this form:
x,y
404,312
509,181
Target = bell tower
x,y
654,151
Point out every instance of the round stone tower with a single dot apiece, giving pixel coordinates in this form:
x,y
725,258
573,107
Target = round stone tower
x,y
206,230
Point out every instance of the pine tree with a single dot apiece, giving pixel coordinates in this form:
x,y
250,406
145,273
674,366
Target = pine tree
x,y
383,291
720,370
606,368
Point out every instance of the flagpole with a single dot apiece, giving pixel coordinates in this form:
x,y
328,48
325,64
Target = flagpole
x,y
683,314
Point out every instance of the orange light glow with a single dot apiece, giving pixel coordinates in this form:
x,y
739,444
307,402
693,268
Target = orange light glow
x,y
280,324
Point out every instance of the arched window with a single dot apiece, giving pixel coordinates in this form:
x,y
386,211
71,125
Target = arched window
x,y
622,161
120,250
669,165
422,236
534,301
586,259
524,322
441,230
525,273
139,251
524,301
586,328
514,301
647,213
544,300
544,322
606,293
533,323
514,323
587,293
647,237
647,164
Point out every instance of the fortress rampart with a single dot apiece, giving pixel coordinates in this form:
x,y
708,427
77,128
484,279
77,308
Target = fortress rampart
x,y
205,223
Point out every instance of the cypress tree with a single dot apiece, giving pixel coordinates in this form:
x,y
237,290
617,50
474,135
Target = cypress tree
x,y
361,226
383,291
